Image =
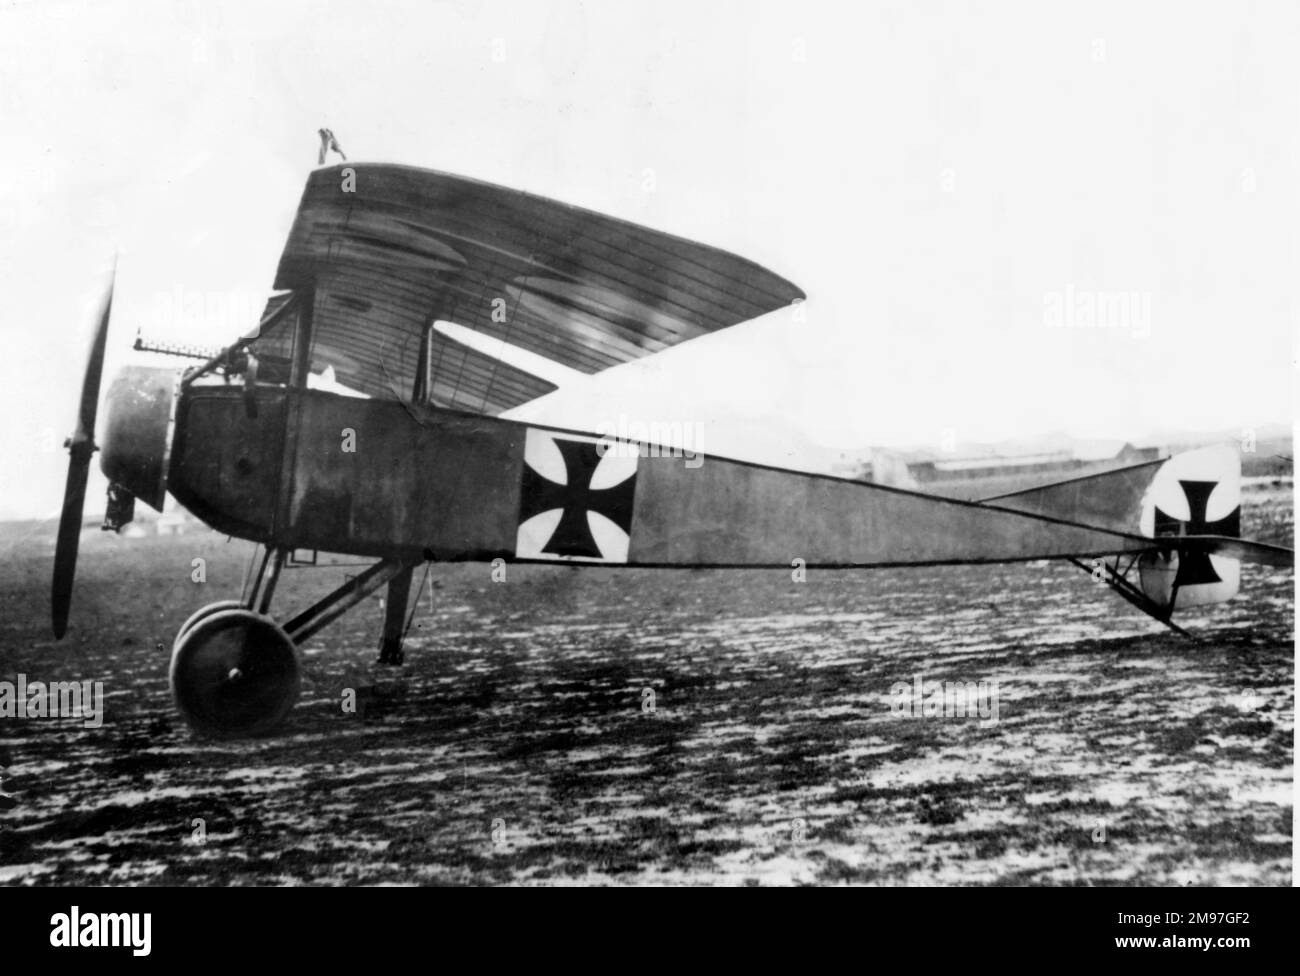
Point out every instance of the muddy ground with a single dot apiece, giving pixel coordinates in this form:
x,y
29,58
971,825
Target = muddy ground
x,y
578,726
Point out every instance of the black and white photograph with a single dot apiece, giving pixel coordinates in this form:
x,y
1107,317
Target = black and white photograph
x,y
621,444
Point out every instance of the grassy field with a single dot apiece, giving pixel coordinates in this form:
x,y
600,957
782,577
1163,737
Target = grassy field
x,y
575,726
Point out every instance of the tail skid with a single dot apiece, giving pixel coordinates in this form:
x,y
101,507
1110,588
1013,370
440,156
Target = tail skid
x,y
1117,579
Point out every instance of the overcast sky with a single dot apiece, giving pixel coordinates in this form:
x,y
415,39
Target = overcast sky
x,y
958,188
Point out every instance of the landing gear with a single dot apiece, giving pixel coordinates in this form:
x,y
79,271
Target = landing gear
x,y
202,612
390,644
234,673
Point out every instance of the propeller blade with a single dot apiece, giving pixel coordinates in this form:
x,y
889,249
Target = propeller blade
x,y
94,371
81,447
65,552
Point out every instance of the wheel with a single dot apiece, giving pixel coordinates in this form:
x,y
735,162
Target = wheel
x,y
234,673
202,612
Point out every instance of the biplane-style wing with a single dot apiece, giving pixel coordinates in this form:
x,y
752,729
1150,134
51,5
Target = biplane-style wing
x,y
386,251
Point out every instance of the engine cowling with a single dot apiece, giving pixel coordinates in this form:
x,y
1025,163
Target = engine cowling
x,y
137,434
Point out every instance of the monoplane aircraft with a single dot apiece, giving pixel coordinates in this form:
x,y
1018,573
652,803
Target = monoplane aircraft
x,y
361,416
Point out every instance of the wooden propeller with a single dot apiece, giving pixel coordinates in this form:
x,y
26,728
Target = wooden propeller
x,y
81,447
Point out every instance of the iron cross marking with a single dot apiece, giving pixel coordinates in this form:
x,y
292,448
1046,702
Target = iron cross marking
x,y
576,497
1195,567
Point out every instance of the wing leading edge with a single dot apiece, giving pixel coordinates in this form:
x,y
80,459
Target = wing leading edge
x,y
405,247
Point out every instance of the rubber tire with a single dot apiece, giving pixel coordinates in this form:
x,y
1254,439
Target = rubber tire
x,y
205,611
235,674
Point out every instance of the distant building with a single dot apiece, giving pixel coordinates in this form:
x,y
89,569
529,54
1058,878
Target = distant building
x,y
989,476
173,523
856,469
1136,455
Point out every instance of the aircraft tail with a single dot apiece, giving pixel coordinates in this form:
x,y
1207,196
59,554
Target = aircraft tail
x,y
1188,504
1193,494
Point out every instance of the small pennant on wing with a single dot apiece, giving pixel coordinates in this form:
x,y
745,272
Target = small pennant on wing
x,y
575,499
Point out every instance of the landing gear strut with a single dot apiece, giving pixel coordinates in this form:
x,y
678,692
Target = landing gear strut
x,y
399,592
236,672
